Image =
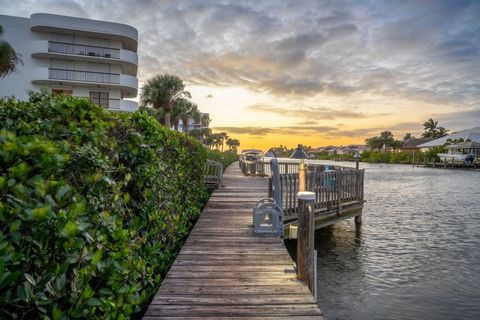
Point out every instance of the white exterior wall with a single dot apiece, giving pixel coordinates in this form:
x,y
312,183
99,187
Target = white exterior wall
x,y
32,45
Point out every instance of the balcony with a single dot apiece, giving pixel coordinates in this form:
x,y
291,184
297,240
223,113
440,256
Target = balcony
x,y
119,104
44,22
83,76
128,84
54,49
128,105
80,49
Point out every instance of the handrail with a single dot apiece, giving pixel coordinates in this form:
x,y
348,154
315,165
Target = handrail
x,y
261,167
84,76
213,173
83,50
85,45
332,189
276,191
113,103
99,72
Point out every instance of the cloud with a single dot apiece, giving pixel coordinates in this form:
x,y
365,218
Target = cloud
x,y
286,130
317,113
459,120
303,48
314,130
254,131
307,123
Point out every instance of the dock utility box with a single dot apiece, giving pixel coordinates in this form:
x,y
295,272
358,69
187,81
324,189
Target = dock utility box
x,y
267,218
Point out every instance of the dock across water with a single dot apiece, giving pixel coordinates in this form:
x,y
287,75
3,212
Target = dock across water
x,y
225,271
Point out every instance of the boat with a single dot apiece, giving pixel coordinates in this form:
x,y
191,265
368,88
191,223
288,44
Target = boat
x,y
251,155
463,153
457,158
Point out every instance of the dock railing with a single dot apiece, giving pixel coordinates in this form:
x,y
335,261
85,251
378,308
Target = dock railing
x,y
262,168
213,174
333,188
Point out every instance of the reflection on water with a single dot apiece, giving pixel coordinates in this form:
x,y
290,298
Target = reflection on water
x,y
417,253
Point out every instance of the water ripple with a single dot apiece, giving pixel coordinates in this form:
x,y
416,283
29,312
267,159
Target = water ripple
x,y
416,255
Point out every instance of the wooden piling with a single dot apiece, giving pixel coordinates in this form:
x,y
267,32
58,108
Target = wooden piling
x,y
358,220
305,241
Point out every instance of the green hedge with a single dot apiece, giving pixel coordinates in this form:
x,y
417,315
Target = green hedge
x,y
227,157
94,207
401,157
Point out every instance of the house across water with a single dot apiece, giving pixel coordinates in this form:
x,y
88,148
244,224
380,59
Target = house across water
x,y
467,153
462,148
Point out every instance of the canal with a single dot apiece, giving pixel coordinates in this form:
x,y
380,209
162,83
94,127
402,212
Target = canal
x,y
416,255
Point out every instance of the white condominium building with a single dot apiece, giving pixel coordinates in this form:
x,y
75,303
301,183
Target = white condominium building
x,y
73,56
192,124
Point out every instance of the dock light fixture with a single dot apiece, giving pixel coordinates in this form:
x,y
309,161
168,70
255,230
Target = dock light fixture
x,y
357,159
299,153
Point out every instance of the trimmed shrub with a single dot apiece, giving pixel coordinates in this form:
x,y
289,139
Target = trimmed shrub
x,y
404,157
376,157
227,157
94,207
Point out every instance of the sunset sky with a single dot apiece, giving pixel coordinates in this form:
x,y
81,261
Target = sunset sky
x,y
311,72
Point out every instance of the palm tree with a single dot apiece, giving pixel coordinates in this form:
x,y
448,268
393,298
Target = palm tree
x,y
217,140
162,92
176,114
223,137
201,134
441,132
408,136
233,144
186,110
430,127
430,124
432,131
209,140
205,120
8,57
158,114
175,118
196,116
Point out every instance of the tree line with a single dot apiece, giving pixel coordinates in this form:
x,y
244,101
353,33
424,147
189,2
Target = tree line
x,y
387,140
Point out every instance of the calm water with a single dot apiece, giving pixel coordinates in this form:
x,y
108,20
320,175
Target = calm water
x,y
417,253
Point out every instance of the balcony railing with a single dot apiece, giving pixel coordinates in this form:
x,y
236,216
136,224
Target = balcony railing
x,y
83,76
111,103
84,50
114,104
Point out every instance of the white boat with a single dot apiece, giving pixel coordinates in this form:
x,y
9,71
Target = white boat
x,y
465,153
455,157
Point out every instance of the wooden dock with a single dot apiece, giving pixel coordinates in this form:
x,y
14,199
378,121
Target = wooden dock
x,y
225,271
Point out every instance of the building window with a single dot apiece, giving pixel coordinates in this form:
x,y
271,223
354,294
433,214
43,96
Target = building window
x,y
62,92
100,98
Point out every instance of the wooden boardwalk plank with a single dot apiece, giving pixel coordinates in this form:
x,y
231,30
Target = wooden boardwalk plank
x,y
234,318
223,299
225,271
233,310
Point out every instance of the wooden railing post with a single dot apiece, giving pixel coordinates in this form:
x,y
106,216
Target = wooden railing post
x,y
305,241
220,175
360,176
276,188
302,183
